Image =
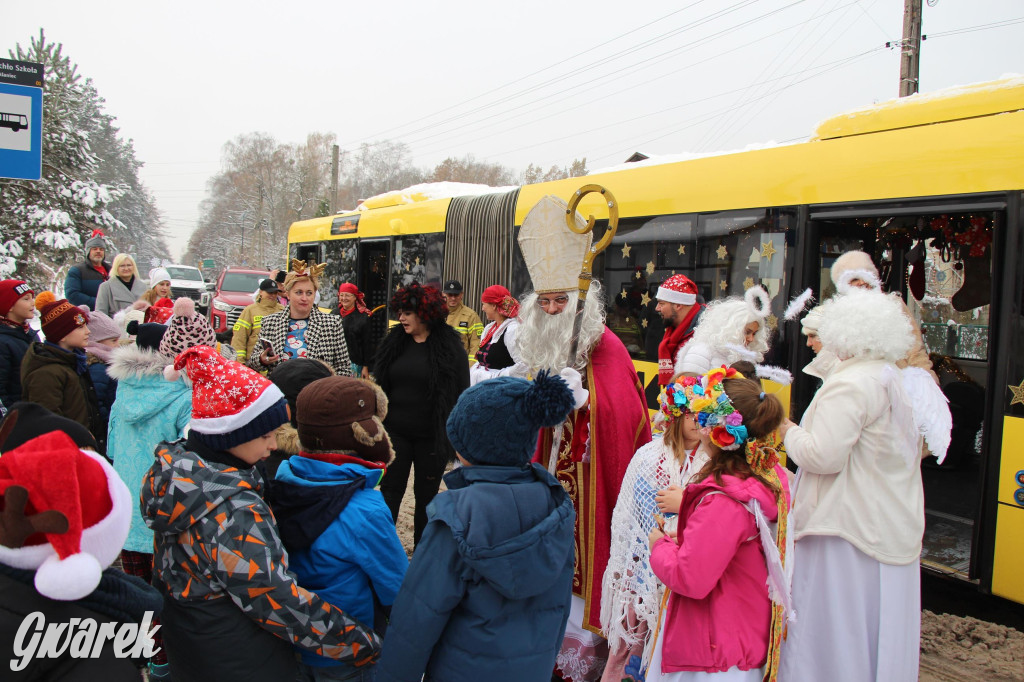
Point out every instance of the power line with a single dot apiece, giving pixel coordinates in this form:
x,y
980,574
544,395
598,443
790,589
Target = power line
x,y
777,62
529,75
972,29
839,62
632,86
837,65
582,69
645,63
765,98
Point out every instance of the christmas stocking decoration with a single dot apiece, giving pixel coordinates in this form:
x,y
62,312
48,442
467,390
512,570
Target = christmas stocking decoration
x,y
977,288
917,266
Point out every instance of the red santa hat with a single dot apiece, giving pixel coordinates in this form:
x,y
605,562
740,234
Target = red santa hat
x,y
160,311
231,404
678,289
70,548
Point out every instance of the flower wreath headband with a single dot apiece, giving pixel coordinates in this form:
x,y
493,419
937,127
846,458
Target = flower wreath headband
x,y
705,397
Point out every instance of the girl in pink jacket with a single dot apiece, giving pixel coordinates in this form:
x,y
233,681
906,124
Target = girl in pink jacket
x,y
726,605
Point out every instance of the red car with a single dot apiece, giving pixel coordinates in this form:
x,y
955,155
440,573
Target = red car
x,y
235,289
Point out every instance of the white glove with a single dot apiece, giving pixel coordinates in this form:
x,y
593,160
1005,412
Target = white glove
x,y
580,395
478,373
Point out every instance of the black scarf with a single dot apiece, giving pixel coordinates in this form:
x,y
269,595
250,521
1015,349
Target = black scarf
x,y
123,598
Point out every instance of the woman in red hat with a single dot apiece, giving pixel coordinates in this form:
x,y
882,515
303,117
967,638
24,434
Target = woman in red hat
x,y
498,354
355,318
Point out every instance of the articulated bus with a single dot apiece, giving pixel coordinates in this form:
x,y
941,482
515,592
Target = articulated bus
x,y
931,185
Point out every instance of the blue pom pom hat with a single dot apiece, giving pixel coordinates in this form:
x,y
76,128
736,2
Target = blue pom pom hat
x,y
231,404
497,421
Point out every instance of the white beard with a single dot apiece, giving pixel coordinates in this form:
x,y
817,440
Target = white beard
x,y
543,340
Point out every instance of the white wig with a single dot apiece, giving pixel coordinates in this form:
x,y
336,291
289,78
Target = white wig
x,y
721,326
866,324
543,339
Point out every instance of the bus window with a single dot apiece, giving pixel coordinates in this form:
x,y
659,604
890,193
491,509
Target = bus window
x,y
340,257
724,253
418,258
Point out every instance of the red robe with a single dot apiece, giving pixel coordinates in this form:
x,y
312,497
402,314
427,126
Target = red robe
x,y
617,422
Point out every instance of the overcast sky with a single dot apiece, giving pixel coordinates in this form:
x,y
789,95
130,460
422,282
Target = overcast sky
x,y
514,83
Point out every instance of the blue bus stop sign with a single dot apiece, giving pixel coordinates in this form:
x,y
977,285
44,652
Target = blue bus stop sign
x,y
21,120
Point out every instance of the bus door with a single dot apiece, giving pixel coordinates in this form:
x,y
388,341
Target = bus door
x,y
372,270
937,254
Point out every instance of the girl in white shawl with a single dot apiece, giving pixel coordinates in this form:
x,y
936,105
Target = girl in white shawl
x,y
653,485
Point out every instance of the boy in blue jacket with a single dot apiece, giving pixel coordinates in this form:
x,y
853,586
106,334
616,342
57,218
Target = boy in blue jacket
x,y
487,594
334,523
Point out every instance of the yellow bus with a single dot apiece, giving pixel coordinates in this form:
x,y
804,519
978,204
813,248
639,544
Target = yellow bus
x,y
931,185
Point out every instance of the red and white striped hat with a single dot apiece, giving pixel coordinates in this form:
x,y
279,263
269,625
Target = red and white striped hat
x,y
678,289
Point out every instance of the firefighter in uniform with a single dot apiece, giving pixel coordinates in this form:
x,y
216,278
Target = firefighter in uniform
x,y
461,318
247,328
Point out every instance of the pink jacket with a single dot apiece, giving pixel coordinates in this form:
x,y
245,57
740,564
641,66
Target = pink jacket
x,y
719,611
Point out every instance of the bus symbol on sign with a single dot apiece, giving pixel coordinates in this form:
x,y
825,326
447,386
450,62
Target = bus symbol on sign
x,y
13,121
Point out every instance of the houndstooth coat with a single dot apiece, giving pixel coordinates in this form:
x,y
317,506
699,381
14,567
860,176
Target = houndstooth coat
x,y
325,340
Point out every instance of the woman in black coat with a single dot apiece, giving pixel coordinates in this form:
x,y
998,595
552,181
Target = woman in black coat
x,y
421,365
355,318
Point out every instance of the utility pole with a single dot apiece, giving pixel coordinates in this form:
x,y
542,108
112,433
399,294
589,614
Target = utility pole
x,y
910,48
259,225
334,179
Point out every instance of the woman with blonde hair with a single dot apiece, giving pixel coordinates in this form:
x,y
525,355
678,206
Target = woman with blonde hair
x,y
159,286
123,288
301,330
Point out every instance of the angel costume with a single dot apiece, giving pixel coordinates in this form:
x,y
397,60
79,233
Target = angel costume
x,y
858,512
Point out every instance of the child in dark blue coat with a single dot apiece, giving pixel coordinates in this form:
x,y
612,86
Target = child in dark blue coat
x,y
337,529
487,594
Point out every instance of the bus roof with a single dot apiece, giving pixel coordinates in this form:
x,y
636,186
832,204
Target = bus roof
x,y
882,152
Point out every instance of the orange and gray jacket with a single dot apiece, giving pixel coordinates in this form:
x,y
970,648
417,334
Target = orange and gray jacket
x,y
216,543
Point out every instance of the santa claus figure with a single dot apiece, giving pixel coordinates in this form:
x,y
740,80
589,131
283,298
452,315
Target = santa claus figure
x,y
589,452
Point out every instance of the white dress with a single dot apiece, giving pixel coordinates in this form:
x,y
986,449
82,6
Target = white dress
x,y
857,618
630,593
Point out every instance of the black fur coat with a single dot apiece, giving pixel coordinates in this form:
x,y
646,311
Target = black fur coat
x,y
449,373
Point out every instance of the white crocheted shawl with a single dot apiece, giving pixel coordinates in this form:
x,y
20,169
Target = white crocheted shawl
x,y
629,585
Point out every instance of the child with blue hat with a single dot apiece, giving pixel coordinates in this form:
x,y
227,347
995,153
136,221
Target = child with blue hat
x,y
487,593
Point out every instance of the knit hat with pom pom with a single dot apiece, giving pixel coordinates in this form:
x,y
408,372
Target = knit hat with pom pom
x,y
496,422
66,515
186,329
58,318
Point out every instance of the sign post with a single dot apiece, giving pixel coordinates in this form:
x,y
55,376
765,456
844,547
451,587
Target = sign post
x,y
21,120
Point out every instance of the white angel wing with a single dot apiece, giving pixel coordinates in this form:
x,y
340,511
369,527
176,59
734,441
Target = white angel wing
x,y
931,410
904,419
779,586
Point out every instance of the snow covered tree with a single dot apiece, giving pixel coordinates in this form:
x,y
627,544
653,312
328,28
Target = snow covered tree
x,y
42,223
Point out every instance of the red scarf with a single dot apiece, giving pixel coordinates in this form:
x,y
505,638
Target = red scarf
x,y
100,269
7,322
674,339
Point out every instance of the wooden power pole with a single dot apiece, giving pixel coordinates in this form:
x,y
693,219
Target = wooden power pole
x,y
910,48
334,179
